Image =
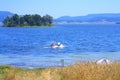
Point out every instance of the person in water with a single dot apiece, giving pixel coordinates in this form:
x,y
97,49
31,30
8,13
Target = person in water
x,y
52,45
59,44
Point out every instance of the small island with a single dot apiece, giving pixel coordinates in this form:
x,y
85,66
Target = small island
x,y
27,20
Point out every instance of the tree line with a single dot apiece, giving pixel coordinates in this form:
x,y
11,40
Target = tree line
x,y
28,20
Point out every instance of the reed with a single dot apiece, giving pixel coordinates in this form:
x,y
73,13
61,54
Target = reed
x,y
78,71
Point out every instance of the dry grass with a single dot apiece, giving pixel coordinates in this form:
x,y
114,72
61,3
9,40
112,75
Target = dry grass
x,y
91,71
78,71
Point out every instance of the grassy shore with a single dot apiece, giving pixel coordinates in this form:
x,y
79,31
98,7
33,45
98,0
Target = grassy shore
x,y
78,71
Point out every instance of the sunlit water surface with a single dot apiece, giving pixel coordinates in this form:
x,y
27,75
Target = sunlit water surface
x,y
30,47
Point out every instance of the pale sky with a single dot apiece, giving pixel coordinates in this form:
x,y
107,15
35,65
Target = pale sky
x,y
58,8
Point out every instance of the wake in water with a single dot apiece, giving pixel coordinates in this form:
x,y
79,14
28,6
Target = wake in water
x,y
59,45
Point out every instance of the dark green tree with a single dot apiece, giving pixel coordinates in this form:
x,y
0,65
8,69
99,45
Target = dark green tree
x,y
6,21
22,21
37,18
47,20
16,20
27,20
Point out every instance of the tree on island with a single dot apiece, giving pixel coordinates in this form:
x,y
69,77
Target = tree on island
x,y
28,20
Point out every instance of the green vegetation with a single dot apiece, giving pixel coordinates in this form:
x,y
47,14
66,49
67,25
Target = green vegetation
x,y
27,20
78,71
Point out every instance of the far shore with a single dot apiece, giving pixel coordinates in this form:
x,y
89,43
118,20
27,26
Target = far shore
x,y
105,22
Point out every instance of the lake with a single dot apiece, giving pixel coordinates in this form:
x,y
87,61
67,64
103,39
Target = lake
x,y
30,47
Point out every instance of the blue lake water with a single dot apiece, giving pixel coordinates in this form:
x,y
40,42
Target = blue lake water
x,y
30,47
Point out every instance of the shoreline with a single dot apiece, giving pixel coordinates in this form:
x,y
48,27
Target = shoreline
x,y
78,71
65,22
63,64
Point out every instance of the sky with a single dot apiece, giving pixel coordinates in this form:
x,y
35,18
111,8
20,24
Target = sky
x,y
58,8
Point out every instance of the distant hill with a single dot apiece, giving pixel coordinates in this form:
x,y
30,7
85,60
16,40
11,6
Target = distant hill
x,y
4,14
91,18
